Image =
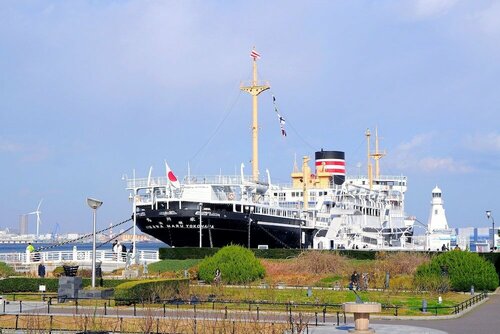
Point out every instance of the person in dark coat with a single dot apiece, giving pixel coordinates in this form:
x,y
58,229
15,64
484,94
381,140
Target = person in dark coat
x,y
41,270
124,252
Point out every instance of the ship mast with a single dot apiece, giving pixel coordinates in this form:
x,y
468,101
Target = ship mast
x,y
377,155
255,89
369,161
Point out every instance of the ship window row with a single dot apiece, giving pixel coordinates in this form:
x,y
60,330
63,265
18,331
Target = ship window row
x,y
367,211
300,193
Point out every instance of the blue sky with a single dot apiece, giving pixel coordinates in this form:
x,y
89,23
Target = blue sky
x,y
90,90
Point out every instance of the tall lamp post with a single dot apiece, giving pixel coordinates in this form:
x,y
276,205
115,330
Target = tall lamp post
x,y
94,204
250,211
489,215
200,206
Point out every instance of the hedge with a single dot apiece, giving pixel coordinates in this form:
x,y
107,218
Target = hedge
x,y
463,269
183,253
151,291
493,258
29,284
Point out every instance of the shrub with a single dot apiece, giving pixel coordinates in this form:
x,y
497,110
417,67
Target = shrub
x,y
464,270
400,263
58,271
6,270
29,284
428,279
318,262
151,290
237,265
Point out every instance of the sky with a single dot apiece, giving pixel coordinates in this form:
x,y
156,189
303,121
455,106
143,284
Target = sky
x,y
92,90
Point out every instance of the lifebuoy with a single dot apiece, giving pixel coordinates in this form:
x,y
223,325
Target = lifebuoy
x,y
230,196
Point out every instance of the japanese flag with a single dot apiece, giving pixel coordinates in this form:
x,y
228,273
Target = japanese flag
x,y
171,177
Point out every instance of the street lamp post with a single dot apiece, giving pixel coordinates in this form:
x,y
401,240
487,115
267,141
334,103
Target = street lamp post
x,y
250,211
94,204
200,206
489,215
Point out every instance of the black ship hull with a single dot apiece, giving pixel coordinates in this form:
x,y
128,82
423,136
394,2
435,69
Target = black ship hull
x,y
178,225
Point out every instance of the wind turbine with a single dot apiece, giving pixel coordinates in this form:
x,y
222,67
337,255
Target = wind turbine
x,y
38,220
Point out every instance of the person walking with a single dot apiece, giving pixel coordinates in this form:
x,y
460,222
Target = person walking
x,y
29,250
113,249
354,281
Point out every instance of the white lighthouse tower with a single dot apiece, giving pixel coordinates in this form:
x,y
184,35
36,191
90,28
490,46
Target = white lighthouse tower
x,y
438,232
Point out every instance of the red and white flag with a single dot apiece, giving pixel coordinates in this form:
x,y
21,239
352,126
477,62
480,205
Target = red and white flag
x,y
171,177
254,54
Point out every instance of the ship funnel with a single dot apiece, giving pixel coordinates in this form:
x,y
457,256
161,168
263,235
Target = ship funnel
x,y
332,162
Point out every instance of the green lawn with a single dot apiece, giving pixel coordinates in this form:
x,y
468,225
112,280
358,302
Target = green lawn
x,y
407,302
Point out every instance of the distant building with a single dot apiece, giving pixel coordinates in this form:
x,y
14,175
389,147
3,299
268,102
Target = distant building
x,y
23,224
476,239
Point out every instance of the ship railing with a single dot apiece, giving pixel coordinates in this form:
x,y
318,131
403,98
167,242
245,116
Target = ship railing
x,y
161,181
381,177
79,256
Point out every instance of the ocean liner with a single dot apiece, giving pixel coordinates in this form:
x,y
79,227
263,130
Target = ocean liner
x,y
324,209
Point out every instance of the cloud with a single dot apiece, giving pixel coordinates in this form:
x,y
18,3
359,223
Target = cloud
x,y
432,8
33,153
488,19
416,142
37,154
488,142
416,155
11,147
430,164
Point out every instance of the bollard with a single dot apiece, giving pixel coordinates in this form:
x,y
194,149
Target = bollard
x,y
76,305
225,312
194,326
121,324
309,292
50,323
4,302
424,305
105,309
20,306
316,316
157,325
232,331
48,306
17,321
472,290
257,313
338,318
135,311
324,314
164,310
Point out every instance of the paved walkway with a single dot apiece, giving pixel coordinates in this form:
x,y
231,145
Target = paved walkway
x,y
483,319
